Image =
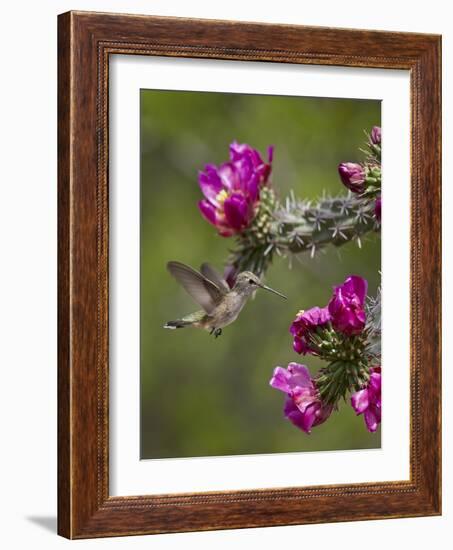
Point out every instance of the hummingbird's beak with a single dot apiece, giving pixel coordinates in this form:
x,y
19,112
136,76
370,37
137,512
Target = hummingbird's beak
x,y
274,291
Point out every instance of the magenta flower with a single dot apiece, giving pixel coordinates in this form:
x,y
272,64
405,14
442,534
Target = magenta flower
x,y
375,135
368,401
232,190
353,176
377,209
304,324
346,306
243,153
303,406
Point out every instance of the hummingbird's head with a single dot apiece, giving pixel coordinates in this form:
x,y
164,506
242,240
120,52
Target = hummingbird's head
x,y
247,282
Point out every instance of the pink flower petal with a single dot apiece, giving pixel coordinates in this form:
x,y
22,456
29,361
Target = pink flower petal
x,y
229,176
360,401
210,183
346,305
300,375
208,211
236,211
280,379
371,419
356,285
294,415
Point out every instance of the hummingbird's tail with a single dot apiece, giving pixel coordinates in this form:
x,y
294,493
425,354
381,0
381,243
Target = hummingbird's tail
x,y
180,323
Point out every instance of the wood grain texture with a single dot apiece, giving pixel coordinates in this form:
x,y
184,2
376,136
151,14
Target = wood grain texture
x,y
86,40
64,369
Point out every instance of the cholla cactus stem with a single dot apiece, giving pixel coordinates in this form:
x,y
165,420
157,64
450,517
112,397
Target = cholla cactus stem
x,y
302,226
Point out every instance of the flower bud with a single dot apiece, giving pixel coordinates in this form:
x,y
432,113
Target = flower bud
x,y
375,136
352,175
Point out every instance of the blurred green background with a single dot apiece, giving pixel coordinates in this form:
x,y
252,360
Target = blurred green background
x,y
203,396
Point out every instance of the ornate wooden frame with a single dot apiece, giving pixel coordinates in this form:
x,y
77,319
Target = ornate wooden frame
x,y
85,42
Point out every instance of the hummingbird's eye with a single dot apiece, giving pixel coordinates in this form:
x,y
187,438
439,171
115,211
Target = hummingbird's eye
x,y
251,281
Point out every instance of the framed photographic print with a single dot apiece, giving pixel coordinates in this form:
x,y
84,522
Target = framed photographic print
x,y
236,201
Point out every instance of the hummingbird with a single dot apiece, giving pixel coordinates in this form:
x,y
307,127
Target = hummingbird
x,y
221,304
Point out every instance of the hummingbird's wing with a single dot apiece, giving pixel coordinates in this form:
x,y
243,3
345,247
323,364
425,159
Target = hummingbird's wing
x,y
213,275
203,291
